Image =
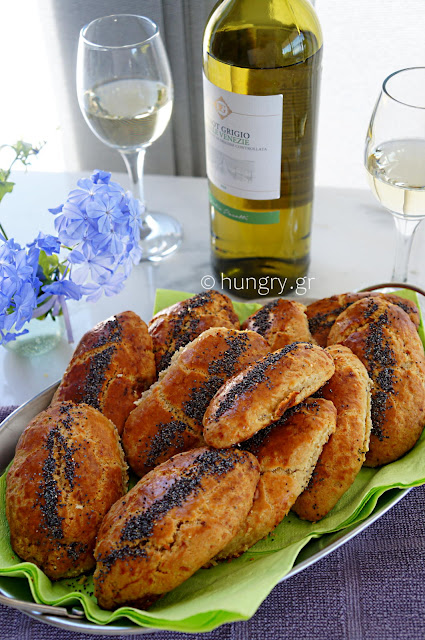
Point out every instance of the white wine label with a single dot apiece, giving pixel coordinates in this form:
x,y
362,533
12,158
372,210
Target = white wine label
x,y
243,136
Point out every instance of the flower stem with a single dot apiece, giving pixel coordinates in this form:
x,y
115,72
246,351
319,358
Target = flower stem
x,y
3,232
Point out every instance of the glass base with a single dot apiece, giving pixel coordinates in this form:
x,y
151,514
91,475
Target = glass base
x,y
163,237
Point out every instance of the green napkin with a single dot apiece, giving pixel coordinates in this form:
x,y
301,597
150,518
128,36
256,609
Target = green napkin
x,y
234,590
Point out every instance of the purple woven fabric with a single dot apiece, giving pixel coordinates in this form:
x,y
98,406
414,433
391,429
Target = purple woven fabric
x,y
372,588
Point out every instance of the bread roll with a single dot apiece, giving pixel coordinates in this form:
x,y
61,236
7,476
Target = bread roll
x,y
67,472
168,418
171,523
176,326
323,313
287,451
280,322
387,342
111,367
259,395
342,457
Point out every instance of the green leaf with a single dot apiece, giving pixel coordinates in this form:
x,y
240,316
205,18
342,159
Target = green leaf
x,y
49,264
5,187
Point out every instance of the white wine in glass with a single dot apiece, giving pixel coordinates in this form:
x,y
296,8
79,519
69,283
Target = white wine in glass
x,y
128,113
397,176
125,92
395,157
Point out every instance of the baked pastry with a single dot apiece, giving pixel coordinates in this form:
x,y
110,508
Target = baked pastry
x,y
280,322
67,472
259,395
171,523
287,451
111,367
386,341
176,326
168,417
323,313
343,456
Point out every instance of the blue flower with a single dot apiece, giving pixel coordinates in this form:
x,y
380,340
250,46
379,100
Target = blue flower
x,y
110,242
49,244
72,225
33,258
65,288
91,264
134,216
19,286
25,301
109,286
99,176
105,211
56,210
99,226
86,192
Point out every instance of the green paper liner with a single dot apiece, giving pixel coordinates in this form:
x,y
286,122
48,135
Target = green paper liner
x,y
229,591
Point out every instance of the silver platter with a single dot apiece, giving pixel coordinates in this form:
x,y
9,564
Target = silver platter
x,y
15,592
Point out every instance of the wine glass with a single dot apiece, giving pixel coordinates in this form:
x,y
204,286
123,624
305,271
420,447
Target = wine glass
x,y
125,93
395,157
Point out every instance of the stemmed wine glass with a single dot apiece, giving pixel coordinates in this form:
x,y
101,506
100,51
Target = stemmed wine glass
x,y
395,157
125,93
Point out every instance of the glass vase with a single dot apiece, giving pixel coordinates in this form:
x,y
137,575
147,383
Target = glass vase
x,y
43,336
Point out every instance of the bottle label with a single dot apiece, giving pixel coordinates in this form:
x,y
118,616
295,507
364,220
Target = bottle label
x,y
250,217
243,136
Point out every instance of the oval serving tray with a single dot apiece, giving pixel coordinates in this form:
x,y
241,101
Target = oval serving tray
x,y
16,593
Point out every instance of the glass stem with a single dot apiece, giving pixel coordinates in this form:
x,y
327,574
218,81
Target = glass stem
x,y
405,230
134,162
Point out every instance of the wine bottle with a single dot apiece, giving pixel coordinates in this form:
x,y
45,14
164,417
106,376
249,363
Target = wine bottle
x,y
262,63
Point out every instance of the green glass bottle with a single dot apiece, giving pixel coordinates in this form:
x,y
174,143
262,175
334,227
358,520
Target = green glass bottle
x,y
262,64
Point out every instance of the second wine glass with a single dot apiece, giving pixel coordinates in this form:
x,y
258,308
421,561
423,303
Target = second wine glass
x,y
125,93
395,157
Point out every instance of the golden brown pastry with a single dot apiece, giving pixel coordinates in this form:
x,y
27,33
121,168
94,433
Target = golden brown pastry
x,y
171,523
168,418
387,342
342,457
280,322
323,313
111,367
176,326
259,395
287,451
67,472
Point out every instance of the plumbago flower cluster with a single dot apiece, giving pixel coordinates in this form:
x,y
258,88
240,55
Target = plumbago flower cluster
x,y
98,231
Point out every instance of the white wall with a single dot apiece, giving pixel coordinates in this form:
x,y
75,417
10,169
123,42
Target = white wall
x,y
364,41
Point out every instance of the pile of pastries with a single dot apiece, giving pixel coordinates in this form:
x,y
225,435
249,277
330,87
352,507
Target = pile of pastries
x,y
227,427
